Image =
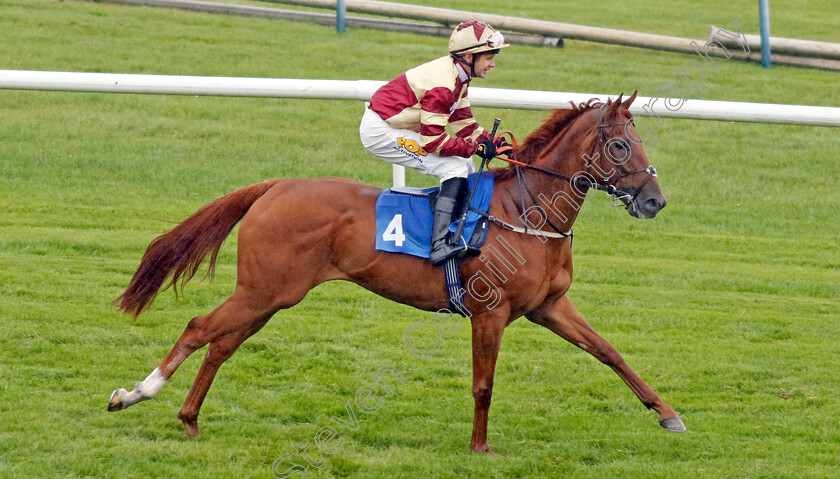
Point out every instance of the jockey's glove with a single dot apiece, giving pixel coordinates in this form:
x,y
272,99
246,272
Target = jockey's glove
x,y
501,141
485,149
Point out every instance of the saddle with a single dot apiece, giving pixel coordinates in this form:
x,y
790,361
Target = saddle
x,y
404,217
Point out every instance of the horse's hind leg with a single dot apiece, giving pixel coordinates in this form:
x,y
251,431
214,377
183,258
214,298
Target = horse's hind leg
x,y
563,318
221,348
191,339
232,319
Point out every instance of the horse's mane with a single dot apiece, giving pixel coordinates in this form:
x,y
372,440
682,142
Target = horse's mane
x,y
540,138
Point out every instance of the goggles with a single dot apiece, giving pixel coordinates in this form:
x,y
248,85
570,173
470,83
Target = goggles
x,y
496,40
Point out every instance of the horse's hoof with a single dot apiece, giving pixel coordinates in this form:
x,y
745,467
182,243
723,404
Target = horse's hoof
x,y
192,428
673,424
116,401
485,450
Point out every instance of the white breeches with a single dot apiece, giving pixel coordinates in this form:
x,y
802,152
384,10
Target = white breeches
x,y
402,147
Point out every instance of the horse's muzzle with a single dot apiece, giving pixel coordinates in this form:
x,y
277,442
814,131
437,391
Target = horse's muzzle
x,y
647,205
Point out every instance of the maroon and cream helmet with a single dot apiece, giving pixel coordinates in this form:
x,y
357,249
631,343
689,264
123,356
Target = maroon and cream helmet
x,y
475,37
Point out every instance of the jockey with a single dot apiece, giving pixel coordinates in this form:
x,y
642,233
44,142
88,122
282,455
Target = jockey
x,y
404,123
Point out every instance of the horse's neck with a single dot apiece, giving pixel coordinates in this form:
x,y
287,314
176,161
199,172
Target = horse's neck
x,y
558,198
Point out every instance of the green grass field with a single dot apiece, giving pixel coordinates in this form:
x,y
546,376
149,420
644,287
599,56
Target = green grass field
x,y
727,303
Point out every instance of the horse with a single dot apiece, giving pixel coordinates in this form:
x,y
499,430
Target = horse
x,y
298,233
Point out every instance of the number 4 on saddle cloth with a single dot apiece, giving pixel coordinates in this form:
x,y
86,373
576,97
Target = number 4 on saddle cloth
x,y
404,217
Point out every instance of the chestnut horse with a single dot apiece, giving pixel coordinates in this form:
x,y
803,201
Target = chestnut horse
x,y
298,233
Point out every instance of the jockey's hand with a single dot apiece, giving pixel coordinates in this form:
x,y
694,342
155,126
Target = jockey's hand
x,y
502,146
500,141
485,149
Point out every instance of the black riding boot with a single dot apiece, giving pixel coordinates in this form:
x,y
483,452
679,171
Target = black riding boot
x,y
449,208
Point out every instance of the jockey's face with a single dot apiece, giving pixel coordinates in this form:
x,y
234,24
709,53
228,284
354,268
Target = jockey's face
x,y
483,63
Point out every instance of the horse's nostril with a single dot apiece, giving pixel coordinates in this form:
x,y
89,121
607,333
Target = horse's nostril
x,y
654,205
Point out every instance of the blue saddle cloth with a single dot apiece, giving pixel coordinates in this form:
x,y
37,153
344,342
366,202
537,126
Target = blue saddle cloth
x,y
404,221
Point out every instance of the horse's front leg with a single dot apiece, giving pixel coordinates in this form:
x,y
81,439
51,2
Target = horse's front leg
x,y
561,316
487,330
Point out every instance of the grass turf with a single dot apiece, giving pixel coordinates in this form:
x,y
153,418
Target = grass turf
x,y
727,304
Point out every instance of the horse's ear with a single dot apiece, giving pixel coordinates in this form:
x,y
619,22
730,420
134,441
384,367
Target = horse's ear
x,y
629,101
615,104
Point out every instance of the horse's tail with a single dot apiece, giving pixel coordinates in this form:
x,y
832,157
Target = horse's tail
x,y
176,255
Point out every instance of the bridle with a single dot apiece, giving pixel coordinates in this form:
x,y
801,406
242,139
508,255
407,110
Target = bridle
x,y
623,197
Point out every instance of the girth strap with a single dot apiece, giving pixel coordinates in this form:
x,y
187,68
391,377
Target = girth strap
x,y
517,229
453,286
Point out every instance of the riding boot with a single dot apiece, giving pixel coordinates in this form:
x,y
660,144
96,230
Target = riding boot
x,y
461,207
452,191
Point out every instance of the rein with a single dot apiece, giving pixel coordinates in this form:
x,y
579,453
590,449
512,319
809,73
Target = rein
x,y
608,188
